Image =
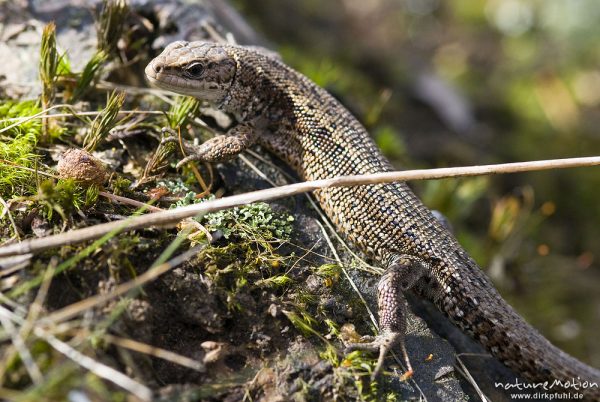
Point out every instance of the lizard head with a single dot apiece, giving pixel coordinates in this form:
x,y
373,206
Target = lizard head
x,y
201,69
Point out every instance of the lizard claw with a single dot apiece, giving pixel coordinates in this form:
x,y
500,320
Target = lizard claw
x,y
367,343
384,342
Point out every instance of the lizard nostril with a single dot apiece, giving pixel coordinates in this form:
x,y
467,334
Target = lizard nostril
x,y
158,68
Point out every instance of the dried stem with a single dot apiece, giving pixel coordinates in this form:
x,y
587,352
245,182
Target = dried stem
x,y
175,215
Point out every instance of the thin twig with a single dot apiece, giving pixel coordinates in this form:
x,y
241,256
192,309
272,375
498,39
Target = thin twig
x,y
129,201
100,369
10,217
37,307
19,344
465,372
20,120
155,351
256,170
352,283
175,215
34,310
39,115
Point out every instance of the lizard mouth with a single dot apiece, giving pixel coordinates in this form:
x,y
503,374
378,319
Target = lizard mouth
x,y
151,72
162,79
159,76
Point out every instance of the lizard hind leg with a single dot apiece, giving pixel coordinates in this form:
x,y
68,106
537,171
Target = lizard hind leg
x,y
401,275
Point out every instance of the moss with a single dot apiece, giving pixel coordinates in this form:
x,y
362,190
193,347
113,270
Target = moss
x,y
247,257
17,148
62,197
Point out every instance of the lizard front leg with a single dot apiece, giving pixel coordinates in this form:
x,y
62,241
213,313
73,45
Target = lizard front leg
x,y
401,275
222,147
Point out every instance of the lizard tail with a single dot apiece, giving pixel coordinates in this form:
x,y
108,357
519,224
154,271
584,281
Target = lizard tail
x,y
490,320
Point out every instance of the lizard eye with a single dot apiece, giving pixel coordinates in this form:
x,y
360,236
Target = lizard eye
x,y
195,70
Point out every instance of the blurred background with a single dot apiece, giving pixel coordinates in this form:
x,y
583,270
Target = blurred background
x,y
464,83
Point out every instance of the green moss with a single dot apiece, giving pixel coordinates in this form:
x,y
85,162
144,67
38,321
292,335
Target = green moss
x,y
64,197
120,185
17,148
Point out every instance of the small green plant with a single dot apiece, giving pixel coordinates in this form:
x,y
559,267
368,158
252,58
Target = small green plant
x,y
274,281
61,197
181,110
91,196
250,222
332,271
304,323
90,72
49,61
111,22
120,185
176,185
254,222
104,122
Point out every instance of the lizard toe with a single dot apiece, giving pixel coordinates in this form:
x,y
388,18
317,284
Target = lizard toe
x,y
382,343
187,159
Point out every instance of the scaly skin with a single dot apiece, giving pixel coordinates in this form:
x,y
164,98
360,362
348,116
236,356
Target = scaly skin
x,y
307,128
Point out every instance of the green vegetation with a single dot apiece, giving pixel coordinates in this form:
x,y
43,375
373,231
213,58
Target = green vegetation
x,y
274,301
110,26
17,147
49,61
104,122
250,222
90,72
180,111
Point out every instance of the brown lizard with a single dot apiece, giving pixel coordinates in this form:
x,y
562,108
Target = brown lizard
x,y
307,128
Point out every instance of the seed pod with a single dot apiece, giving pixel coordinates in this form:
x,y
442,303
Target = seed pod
x,y
81,166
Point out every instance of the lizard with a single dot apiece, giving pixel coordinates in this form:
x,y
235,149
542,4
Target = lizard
x,y
307,128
